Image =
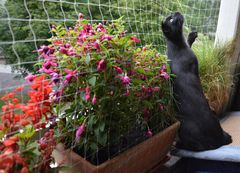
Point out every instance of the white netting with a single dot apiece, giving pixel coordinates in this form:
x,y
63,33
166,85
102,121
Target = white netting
x,y
26,24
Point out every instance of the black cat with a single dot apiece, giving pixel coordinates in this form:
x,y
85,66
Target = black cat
x,y
200,129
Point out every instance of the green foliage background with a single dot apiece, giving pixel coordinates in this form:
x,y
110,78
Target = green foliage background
x,y
25,24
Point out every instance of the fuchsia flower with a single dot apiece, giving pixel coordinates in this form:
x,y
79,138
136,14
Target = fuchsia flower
x,y
149,133
135,39
80,131
101,65
70,75
106,37
80,16
100,28
163,72
94,100
49,63
88,92
30,77
118,70
63,50
55,77
125,79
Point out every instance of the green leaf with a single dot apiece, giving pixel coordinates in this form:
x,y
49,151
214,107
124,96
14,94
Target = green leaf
x,y
93,146
102,139
88,59
92,80
102,126
141,70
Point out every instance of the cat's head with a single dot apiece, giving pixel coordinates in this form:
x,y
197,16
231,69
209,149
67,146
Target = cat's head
x,y
172,26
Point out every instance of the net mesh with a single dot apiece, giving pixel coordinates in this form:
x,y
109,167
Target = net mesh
x,y
26,24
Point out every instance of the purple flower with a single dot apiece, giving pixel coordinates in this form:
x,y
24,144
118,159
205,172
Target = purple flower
x,y
101,65
55,77
80,131
94,100
149,133
125,79
30,77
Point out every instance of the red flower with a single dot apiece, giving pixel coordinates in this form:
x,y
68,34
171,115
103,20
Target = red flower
x,y
101,65
20,88
80,131
10,141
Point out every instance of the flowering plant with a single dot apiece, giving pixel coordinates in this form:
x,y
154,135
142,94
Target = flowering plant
x,y
106,93
19,149
110,86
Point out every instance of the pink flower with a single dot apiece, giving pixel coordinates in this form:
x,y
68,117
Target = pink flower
x,y
87,90
63,50
125,79
161,107
118,70
101,65
149,133
106,37
70,75
135,39
30,77
156,89
80,16
165,75
100,28
94,100
80,131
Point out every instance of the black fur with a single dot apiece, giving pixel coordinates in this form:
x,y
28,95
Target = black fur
x,y
200,129
192,37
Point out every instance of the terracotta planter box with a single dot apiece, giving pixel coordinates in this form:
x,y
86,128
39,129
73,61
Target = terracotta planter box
x,y
138,159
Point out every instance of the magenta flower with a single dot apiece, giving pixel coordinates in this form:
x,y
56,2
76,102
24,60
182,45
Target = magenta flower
x,y
135,39
49,63
63,50
70,75
80,131
30,77
149,133
47,71
55,78
156,89
165,75
88,92
118,70
94,100
80,16
125,79
100,28
101,65
106,37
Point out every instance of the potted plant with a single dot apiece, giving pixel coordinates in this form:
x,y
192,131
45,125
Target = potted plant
x,y
102,95
117,94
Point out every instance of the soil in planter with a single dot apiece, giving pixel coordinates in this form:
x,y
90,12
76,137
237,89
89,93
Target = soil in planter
x,y
135,136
